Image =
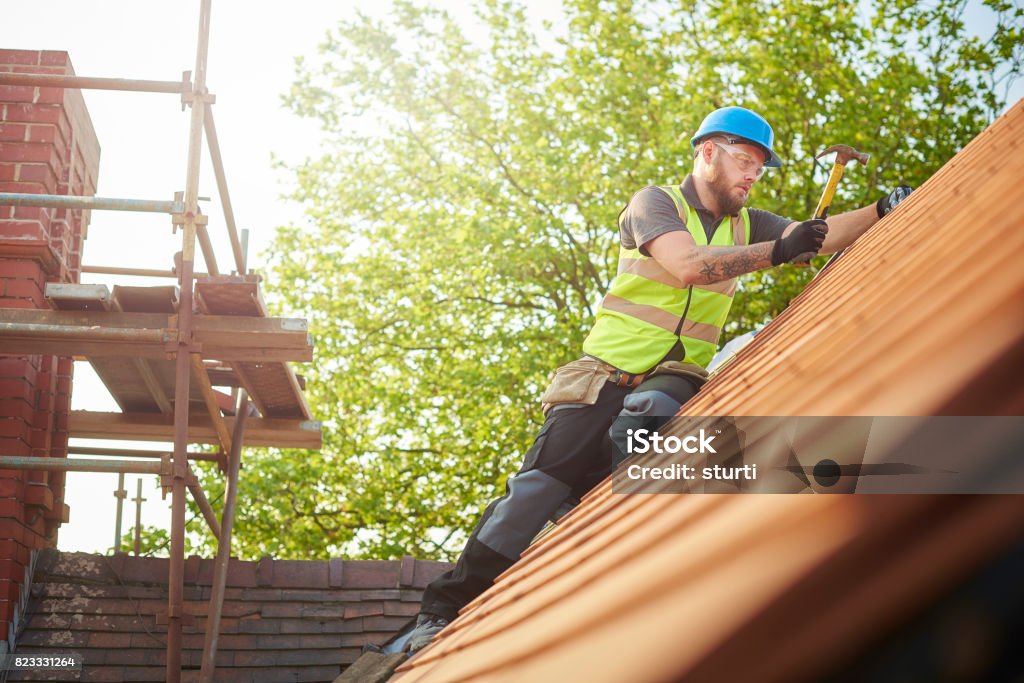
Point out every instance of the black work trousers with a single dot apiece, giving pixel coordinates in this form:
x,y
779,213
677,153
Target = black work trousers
x,y
571,454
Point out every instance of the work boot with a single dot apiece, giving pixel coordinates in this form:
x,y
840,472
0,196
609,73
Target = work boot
x,y
427,626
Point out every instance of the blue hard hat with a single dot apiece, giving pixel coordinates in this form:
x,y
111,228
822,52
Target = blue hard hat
x,y
741,123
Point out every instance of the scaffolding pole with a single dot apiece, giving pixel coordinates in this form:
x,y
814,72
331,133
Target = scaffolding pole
x,y
19,462
222,187
79,333
138,500
203,503
220,567
176,571
67,201
90,83
135,272
120,494
138,453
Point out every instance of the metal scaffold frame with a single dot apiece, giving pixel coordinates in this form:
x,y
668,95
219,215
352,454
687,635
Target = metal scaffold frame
x,y
180,336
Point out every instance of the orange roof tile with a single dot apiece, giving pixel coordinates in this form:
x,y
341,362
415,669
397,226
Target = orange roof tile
x,y
924,315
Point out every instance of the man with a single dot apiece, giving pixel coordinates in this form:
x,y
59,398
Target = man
x,y
682,248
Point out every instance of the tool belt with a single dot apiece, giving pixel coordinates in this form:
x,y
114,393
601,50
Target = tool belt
x,y
625,379
690,371
581,381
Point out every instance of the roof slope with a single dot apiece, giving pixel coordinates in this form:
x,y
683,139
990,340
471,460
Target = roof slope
x,y
284,620
923,316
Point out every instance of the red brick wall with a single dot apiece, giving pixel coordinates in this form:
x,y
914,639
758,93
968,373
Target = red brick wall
x,y
47,146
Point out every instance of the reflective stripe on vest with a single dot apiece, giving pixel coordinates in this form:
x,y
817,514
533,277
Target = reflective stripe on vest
x,y
639,318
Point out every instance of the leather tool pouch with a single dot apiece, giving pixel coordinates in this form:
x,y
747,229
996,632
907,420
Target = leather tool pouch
x,y
577,382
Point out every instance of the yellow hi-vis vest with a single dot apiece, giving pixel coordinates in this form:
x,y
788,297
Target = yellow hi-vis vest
x,y
647,309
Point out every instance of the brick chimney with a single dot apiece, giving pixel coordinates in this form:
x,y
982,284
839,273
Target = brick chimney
x,y
47,146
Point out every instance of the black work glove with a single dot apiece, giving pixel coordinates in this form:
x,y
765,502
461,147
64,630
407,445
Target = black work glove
x,y
889,201
802,244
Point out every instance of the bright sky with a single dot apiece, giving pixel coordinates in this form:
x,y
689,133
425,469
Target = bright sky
x,y
143,139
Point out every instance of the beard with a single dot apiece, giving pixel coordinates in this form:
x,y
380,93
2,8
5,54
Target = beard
x,y
723,192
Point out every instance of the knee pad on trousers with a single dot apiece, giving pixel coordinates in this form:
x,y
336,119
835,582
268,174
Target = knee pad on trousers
x,y
657,397
649,403
532,498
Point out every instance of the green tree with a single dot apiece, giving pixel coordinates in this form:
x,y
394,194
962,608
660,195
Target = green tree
x,y
461,220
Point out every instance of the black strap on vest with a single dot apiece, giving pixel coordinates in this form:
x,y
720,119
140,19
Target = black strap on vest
x,y
677,353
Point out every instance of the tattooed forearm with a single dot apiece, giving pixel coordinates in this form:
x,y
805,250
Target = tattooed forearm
x,y
722,263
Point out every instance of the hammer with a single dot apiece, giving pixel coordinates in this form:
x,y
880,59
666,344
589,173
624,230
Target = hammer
x,y
844,155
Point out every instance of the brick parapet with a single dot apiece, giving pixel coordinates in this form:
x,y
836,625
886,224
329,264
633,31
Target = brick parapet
x,y
47,146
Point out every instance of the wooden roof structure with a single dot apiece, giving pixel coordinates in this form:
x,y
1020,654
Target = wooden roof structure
x,y
924,315
125,334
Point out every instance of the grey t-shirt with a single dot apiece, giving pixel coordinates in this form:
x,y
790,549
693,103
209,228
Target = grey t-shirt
x,y
651,212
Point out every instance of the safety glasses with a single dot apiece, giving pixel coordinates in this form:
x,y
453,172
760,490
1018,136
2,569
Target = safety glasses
x,y
747,163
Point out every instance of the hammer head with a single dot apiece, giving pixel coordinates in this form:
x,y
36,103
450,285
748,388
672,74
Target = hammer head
x,y
845,154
